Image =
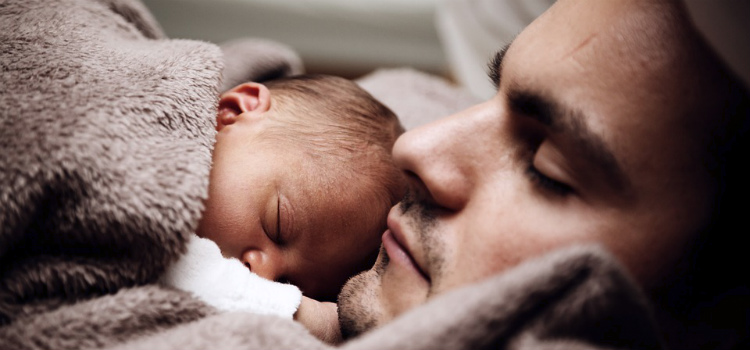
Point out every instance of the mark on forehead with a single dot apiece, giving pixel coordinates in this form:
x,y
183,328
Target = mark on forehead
x,y
580,46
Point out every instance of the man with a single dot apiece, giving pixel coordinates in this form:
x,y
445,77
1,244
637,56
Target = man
x,y
612,123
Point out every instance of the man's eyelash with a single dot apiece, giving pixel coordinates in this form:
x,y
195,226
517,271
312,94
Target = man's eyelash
x,y
493,71
547,183
494,66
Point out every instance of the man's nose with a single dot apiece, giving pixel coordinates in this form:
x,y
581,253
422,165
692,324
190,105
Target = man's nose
x,y
439,156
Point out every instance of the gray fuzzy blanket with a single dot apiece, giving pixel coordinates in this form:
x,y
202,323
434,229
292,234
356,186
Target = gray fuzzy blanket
x,y
106,135
106,131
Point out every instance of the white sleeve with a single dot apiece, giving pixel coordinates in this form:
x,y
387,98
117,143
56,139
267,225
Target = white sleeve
x,y
227,284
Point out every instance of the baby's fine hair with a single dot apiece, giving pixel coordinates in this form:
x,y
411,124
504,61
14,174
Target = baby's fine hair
x,y
341,126
316,102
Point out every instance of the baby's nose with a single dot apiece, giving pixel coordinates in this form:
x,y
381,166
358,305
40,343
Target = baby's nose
x,y
262,264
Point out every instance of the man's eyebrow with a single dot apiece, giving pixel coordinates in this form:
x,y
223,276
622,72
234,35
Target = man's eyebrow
x,y
495,65
563,120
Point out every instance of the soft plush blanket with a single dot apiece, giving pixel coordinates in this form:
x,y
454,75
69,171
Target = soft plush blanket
x,y
106,135
106,130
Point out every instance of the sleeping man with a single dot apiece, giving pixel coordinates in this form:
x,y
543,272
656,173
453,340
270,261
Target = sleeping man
x,y
613,123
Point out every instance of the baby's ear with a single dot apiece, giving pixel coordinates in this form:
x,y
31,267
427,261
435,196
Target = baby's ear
x,y
250,98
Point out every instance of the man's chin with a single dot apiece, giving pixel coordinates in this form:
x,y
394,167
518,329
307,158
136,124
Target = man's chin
x,y
359,301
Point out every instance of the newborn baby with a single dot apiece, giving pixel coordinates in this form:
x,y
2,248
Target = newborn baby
x,y
300,187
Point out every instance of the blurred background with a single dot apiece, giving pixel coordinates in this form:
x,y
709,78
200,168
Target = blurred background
x,y
348,37
448,38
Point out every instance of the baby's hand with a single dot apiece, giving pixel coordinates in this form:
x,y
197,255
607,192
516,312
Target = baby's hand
x,y
320,318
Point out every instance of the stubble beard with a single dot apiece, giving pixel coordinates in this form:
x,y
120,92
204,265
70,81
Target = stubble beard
x,y
359,304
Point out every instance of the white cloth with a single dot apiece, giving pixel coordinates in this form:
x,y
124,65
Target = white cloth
x,y
226,284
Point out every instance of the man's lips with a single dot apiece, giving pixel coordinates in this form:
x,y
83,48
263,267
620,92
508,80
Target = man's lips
x,y
393,242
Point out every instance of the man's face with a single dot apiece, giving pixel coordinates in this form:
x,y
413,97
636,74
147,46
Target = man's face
x,y
584,142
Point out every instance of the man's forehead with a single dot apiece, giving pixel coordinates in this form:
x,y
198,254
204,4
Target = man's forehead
x,y
632,52
636,27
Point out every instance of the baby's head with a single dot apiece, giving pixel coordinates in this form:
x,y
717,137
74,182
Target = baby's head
x,y
302,180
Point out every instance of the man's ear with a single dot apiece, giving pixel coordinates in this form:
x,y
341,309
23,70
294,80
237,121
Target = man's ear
x,y
247,100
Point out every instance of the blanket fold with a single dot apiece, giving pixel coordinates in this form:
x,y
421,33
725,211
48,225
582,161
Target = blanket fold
x,y
252,59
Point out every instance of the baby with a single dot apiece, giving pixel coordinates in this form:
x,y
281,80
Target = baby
x,y
301,184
